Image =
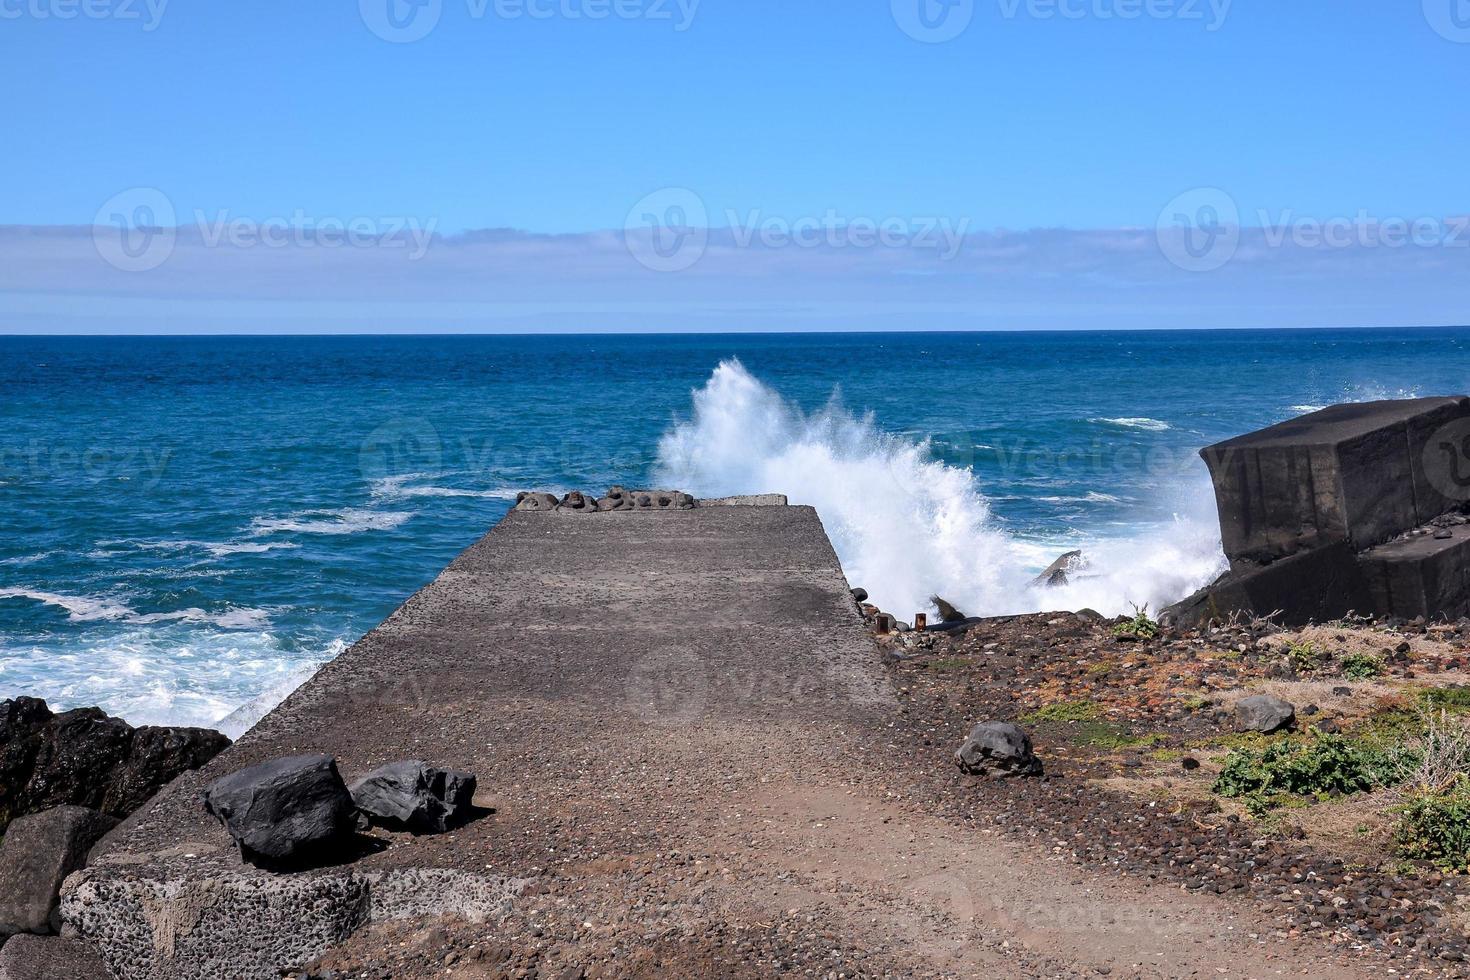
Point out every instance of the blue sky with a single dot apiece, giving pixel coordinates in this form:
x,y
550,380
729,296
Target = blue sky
x,y
1080,115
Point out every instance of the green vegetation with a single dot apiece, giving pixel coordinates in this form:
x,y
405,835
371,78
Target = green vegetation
x,y
1196,703
1435,827
1291,769
1141,625
1451,699
1085,726
1361,666
1303,657
1107,735
1063,711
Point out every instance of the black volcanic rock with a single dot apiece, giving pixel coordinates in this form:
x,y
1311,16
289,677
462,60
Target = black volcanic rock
x,y
998,748
87,758
156,757
415,796
23,724
280,812
76,761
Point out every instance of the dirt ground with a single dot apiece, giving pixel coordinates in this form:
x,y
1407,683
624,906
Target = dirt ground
x,y
860,851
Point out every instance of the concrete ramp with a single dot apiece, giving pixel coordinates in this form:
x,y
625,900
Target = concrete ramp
x,y
595,670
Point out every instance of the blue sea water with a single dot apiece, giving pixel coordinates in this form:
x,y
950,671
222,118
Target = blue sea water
x,y
189,526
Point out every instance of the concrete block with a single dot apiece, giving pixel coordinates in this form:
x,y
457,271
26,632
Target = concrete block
x,y
38,852
1308,587
1420,576
1356,473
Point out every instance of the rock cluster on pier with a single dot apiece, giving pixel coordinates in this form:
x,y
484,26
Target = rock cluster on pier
x,y
617,498
1355,508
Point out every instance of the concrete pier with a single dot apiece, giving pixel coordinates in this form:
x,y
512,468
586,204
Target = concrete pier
x,y
569,660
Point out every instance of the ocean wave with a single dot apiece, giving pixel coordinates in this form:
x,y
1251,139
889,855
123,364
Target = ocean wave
x,y
398,488
1147,424
347,520
80,609
86,609
1091,497
218,549
1304,409
27,559
175,674
906,526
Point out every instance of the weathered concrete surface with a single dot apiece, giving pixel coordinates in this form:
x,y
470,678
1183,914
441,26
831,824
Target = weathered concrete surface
x,y
1309,587
27,957
1357,473
1313,513
554,641
1420,576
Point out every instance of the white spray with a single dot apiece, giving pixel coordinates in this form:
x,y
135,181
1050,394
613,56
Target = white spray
x,y
904,525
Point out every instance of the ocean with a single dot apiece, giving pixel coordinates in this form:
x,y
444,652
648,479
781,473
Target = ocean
x,y
190,526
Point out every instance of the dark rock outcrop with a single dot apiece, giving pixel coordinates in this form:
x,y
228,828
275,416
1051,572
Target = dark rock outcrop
x,y
578,503
1058,572
1263,713
278,811
155,758
38,852
998,748
50,958
86,758
947,612
535,501
415,796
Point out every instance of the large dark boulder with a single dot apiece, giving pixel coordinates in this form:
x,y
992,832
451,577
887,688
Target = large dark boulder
x,y
1315,586
23,724
76,762
415,796
86,758
284,811
156,757
38,852
1263,713
998,748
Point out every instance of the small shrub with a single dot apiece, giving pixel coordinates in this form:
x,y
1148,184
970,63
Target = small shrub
x,y
1361,666
1303,657
1452,699
1434,826
1140,625
1320,765
1441,754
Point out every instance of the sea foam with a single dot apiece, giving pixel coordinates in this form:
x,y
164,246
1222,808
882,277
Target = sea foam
x,y
906,525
